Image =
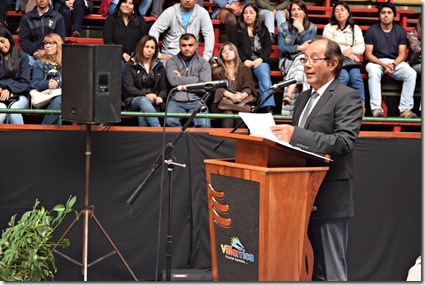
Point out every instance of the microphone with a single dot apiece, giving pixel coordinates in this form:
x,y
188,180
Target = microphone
x,y
283,84
204,86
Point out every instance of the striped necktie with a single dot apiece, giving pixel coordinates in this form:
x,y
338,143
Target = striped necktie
x,y
308,109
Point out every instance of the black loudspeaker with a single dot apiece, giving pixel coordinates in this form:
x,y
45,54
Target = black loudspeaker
x,y
91,83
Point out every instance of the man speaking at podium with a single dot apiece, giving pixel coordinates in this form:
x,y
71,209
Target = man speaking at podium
x,y
327,119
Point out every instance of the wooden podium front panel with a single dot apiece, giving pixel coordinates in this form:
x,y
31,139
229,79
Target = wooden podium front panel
x,y
286,197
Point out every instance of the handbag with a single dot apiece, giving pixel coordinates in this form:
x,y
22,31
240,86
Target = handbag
x,y
41,99
227,104
414,58
349,63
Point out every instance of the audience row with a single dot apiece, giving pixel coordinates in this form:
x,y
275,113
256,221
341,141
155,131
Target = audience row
x,y
148,72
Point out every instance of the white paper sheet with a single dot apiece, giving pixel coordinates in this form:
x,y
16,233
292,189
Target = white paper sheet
x,y
259,125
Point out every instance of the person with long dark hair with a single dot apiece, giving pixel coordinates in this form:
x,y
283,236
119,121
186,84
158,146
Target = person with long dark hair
x,y
14,77
241,84
294,37
349,37
47,74
253,42
125,27
145,81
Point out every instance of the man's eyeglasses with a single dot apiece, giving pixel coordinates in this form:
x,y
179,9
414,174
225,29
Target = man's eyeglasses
x,y
49,44
312,60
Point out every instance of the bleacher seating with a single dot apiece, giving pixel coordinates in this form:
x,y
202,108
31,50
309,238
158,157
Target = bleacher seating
x,y
318,14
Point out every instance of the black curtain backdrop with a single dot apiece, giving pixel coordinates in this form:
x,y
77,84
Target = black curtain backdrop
x,y
385,235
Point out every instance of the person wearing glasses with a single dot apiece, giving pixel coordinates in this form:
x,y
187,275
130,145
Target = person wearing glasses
x,y
46,74
327,120
14,78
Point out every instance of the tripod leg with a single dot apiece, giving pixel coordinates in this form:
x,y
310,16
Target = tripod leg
x,y
114,247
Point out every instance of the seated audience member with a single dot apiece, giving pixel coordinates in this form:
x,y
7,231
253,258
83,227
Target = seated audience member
x,y
47,74
386,44
254,48
415,38
187,67
294,37
145,81
14,78
181,18
271,10
75,9
228,12
125,27
349,37
35,25
241,90
159,4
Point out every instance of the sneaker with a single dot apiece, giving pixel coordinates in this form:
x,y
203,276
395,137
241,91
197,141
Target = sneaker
x,y
377,113
76,34
408,114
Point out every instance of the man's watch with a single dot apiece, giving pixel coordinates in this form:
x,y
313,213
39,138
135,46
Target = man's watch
x,y
394,64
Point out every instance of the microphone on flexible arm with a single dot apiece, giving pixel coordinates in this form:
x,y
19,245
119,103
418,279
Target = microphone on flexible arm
x,y
283,84
204,86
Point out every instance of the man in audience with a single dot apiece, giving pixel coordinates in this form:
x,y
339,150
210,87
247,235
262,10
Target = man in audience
x,y
184,17
386,44
187,67
34,25
75,9
158,4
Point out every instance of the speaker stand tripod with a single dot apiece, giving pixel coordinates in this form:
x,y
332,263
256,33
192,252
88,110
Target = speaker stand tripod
x,y
87,213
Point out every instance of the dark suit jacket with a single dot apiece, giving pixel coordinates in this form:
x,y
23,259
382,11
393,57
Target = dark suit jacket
x,y
332,127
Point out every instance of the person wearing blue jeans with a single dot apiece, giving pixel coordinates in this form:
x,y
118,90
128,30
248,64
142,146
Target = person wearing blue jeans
x,y
386,46
186,107
145,81
55,104
271,10
252,39
187,67
22,103
144,7
262,73
353,78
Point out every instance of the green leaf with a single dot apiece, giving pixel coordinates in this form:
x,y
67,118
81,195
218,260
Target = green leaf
x,y
59,208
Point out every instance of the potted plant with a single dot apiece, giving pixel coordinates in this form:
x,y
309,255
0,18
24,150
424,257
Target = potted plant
x,y
25,246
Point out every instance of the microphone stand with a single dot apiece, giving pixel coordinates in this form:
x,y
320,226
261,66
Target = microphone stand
x,y
253,110
165,155
168,148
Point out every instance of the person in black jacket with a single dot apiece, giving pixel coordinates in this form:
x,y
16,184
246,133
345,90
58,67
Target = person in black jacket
x,y
125,27
254,46
14,77
35,25
145,81
75,9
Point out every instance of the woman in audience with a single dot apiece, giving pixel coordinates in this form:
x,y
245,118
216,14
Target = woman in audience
x,y
293,38
125,27
14,77
415,38
254,47
241,84
271,10
145,81
46,74
349,37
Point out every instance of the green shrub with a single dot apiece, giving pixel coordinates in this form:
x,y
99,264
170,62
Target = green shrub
x,y
25,246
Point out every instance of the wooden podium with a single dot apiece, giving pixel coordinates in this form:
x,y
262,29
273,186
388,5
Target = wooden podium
x,y
259,206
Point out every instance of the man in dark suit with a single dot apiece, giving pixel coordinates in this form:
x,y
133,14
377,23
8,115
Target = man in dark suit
x,y
331,125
